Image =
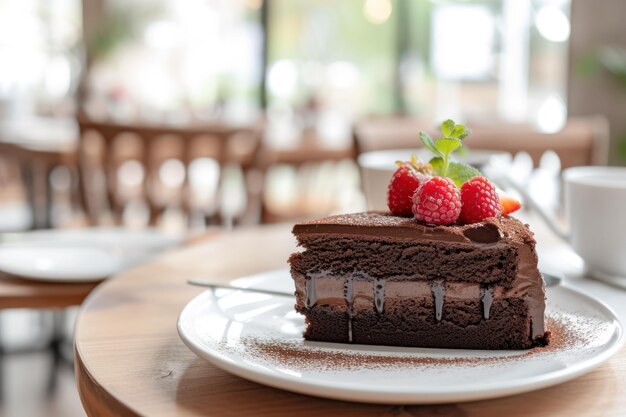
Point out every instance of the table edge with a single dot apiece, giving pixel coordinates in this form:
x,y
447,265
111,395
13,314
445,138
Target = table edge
x,y
95,399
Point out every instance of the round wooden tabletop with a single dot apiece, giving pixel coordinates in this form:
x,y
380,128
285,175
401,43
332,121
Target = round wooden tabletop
x,y
130,360
16,292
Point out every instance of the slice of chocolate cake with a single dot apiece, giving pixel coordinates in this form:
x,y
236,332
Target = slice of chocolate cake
x,y
376,278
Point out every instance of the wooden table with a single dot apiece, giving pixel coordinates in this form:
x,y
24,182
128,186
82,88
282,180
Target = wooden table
x,y
25,293
16,292
130,360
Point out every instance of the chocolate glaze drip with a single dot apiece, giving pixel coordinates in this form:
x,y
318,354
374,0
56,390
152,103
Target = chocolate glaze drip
x,y
311,294
437,287
379,294
438,291
348,294
486,294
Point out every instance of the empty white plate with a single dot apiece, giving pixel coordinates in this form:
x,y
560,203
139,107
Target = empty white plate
x,y
79,255
59,264
110,238
259,337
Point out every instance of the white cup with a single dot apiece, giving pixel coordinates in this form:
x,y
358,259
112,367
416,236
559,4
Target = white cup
x,y
377,167
595,203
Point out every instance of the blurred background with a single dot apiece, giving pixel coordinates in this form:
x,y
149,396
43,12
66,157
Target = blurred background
x,y
196,115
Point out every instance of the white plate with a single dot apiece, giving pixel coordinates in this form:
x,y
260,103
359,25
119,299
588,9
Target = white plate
x,y
79,255
117,238
59,264
258,337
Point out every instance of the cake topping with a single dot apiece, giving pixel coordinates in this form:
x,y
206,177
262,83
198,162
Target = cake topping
x,y
438,200
480,200
444,147
384,225
403,185
508,204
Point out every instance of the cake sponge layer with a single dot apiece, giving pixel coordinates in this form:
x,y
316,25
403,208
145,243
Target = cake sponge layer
x,y
414,325
415,260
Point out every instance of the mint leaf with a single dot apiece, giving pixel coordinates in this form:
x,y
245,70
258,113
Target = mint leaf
x,y
450,142
447,127
459,173
460,132
437,164
462,151
429,144
448,145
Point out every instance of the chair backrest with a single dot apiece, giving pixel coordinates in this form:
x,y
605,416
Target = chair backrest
x,y
151,169
583,141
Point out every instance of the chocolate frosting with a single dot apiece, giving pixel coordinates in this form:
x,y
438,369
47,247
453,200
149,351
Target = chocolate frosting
x,y
375,223
483,233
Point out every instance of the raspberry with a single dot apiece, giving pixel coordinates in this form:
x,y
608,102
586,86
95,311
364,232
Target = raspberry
x,y
437,201
401,189
480,200
508,204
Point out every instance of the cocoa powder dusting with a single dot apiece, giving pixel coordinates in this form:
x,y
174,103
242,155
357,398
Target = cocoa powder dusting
x,y
565,334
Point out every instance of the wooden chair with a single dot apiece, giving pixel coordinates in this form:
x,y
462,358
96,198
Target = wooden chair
x,y
36,166
122,164
307,155
583,141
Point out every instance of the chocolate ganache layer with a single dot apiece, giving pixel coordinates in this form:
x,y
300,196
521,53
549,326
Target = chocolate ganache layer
x,y
375,278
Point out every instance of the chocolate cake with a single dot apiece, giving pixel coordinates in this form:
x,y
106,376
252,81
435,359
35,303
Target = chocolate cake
x,y
378,279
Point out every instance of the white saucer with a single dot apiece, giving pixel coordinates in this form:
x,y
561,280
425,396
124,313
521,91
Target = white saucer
x,y
614,280
120,239
79,255
258,337
58,264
